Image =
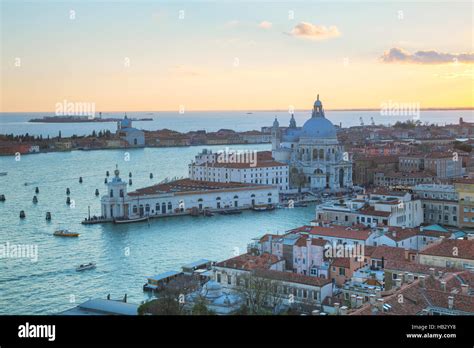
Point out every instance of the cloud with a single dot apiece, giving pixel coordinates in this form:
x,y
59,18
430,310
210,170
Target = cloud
x,y
310,31
265,25
398,55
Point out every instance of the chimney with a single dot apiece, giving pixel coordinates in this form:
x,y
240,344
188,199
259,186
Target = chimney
x,y
450,302
359,301
400,276
380,303
405,277
443,286
422,281
432,271
464,289
372,299
353,301
343,310
315,312
336,308
398,283
411,277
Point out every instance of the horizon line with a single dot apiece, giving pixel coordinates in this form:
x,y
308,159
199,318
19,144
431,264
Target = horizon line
x,y
460,108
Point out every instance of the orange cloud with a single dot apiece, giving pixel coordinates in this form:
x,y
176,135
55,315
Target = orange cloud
x,y
310,31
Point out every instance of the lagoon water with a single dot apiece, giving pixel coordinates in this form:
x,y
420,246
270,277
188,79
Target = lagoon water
x,y
17,123
125,254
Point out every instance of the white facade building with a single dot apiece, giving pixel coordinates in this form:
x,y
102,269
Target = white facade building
x,y
179,196
317,161
261,170
385,208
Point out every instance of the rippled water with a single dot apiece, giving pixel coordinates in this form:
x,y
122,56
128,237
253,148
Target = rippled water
x,y
49,285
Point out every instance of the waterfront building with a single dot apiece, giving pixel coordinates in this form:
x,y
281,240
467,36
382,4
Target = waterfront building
x,y
240,166
440,203
316,159
182,196
388,208
133,136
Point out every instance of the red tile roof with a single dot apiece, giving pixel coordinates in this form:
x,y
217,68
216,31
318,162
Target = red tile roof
x,y
455,248
250,262
188,186
340,232
292,277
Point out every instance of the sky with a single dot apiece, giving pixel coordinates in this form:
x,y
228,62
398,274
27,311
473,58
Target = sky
x,y
235,55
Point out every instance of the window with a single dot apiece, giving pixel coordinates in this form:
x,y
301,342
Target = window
x,y
229,279
218,277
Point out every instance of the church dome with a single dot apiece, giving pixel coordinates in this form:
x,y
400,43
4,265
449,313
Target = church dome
x,y
319,127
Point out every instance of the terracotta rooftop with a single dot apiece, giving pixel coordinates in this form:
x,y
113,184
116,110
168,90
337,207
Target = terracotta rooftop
x,y
455,248
340,232
370,211
388,253
250,262
188,186
292,277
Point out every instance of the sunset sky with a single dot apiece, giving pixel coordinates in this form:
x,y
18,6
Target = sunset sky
x,y
141,55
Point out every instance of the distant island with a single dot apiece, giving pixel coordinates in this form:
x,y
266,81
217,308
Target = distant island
x,y
80,119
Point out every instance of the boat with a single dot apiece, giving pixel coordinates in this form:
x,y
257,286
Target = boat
x,y
230,212
3,173
65,233
263,207
208,213
86,266
129,221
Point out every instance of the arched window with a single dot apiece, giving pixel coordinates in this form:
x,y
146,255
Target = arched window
x,y
218,199
111,193
170,206
269,194
315,154
157,207
147,208
236,197
321,154
135,209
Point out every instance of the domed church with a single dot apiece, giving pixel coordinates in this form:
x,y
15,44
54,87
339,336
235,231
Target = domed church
x,y
316,159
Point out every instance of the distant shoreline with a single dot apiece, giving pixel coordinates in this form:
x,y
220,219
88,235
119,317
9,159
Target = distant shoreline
x,y
263,110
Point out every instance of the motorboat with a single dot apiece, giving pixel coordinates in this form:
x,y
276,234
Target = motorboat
x,y
128,221
65,233
86,266
263,207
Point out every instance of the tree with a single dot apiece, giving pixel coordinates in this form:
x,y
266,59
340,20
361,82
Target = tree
x,y
261,294
297,179
171,298
200,307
